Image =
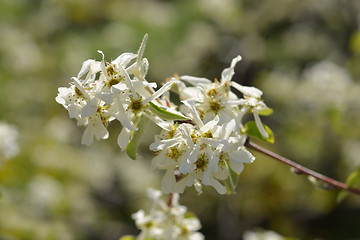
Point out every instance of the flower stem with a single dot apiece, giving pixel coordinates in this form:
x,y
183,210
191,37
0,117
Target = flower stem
x,y
178,176
299,169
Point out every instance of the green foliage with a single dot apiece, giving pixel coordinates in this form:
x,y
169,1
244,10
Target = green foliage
x,y
166,113
128,237
252,130
132,147
352,181
265,111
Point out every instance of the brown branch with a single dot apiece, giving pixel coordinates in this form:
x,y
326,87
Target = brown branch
x,y
299,169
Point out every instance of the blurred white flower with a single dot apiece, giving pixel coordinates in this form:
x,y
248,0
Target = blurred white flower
x,y
9,146
325,85
262,235
167,221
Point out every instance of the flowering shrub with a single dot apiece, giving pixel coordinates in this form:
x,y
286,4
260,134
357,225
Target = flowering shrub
x,y
203,140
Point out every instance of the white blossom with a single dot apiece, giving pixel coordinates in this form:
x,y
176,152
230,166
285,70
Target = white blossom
x,y
262,235
103,92
166,221
202,153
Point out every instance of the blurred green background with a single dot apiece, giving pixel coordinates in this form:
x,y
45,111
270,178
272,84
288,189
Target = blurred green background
x,y
304,55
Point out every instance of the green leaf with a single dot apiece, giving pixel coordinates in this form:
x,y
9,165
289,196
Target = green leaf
x,y
352,181
166,113
231,182
190,215
266,111
252,130
132,147
128,237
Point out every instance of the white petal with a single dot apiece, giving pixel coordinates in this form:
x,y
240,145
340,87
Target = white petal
x,y
198,186
78,84
124,59
168,182
74,110
229,128
243,156
195,80
142,48
102,64
160,145
210,125
188,165
194,93
153,194
126,76
259,124
228,73
123,138
162,161
218,186
90,108
100,130
206,178
105,96
185,130
88,136
214,142
159,92
248,91
191,105
236,166
214,159
122,117
85,68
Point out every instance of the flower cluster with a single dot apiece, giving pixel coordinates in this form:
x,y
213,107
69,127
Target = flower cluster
x,y
202,139
103,92
167,221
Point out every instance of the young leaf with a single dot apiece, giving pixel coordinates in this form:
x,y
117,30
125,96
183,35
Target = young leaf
x,y
131,148
166,113
266,111
128,237
351,181
252,130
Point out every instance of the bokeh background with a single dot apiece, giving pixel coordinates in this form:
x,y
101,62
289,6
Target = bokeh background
x,y
304,55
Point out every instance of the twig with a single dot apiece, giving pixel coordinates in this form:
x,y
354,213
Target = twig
x,y
299,169
178,176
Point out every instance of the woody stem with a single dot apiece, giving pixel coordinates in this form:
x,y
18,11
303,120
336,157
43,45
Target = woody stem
x,y
299,169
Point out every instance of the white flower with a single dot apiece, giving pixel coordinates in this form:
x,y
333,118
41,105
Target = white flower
x,y
103,92
216,98
211,97
251,101
9,147
202,153
166,221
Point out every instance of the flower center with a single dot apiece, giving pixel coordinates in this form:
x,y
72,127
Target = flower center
x,y
136,105
201,162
